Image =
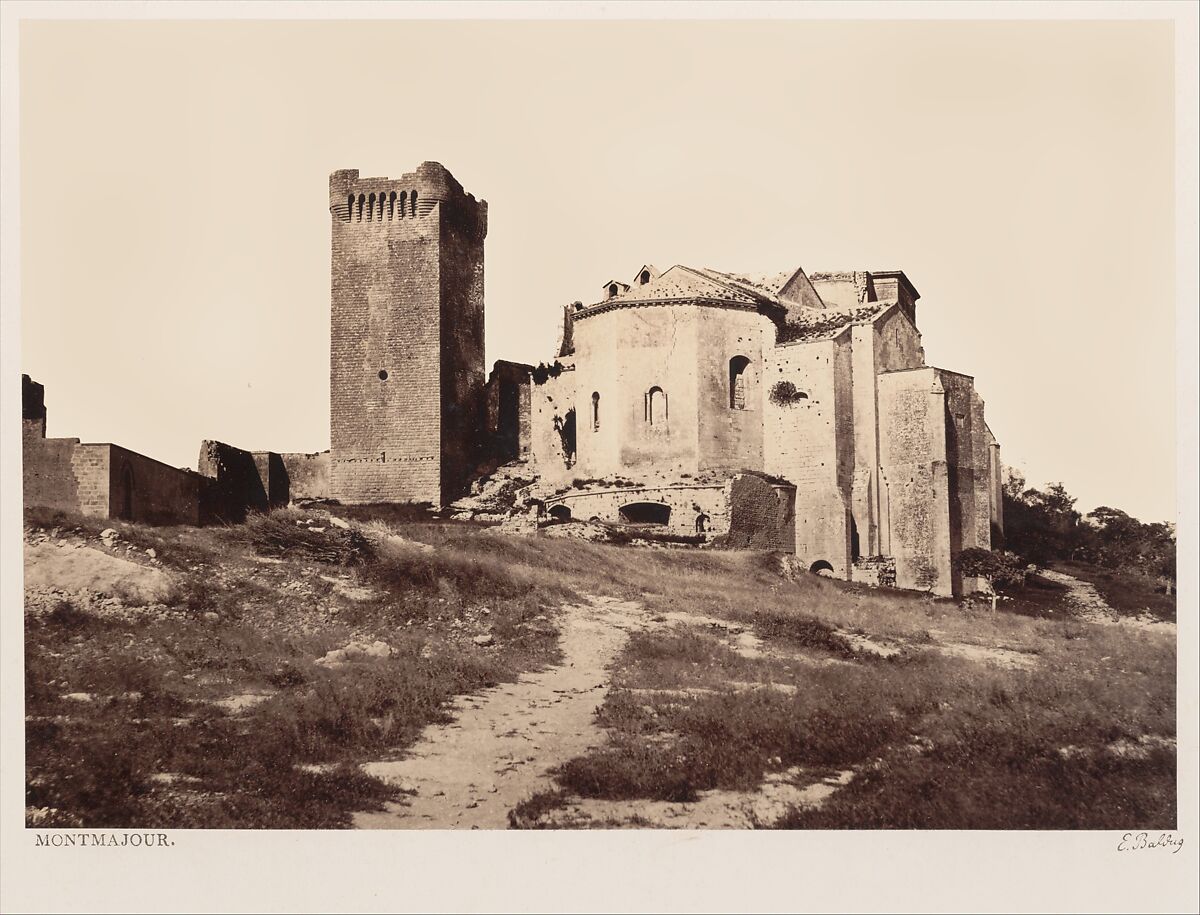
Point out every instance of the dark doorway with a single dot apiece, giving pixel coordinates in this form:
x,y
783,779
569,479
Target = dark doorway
x,y
646,513
125,512
855,552
560,513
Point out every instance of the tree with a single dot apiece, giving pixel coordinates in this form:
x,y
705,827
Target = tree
x,y
993,566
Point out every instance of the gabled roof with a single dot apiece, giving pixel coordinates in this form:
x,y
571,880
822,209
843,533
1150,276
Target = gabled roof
x,y
788,297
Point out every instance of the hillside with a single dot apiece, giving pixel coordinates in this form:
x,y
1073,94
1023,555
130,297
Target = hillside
x,y
309,671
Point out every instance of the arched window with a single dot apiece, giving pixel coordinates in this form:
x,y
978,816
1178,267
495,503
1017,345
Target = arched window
x,y
413,203
349,207
403,202
371,207
595,411
392,205
612,290
656,406
362,199
644,278
737,382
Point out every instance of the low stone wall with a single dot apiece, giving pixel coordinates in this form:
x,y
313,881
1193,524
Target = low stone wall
x,y
146,490
746,511
108,481
685,501
876,571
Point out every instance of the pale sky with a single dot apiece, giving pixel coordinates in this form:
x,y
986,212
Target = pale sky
x,y
175,231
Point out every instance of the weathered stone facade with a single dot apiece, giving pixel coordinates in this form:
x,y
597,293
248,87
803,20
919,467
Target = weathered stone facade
x,y
817,382
792,412
406,346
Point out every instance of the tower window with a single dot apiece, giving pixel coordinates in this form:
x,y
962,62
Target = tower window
x,y
595,411
413,203
644,278
737,382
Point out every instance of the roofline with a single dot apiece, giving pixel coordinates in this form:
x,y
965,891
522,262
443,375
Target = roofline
x,y
765,308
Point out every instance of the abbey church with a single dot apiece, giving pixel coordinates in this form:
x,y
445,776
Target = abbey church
x,y
791,412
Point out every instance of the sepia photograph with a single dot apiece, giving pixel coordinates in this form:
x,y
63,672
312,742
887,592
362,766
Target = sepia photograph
x,y
772,426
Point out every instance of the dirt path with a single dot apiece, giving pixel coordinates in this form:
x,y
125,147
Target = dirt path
x,y
496,753
1088,604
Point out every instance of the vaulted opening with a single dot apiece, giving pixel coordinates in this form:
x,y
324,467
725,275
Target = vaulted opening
x,y
646,513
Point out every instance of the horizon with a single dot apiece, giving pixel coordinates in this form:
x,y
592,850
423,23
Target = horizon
x,y
1005,197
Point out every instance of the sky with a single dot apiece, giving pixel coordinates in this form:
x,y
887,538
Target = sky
x,y
175,231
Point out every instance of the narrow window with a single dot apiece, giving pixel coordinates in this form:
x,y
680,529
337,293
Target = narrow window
x,y
362,199
403,202
737,382
371,207
349,207
595,411
656,406
392,205
413,203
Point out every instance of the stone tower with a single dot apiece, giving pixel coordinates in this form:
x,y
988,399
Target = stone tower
x,y
406,366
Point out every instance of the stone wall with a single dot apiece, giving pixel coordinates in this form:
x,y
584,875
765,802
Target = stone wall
x,y
507,433
801,444
686,502
915,479
239,482
307,475
65,475
151,492
551,408
761,515
406,369
107,481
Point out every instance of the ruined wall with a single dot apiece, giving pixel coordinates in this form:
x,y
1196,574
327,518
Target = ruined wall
x,y
915,479
33,408
761,515
800,444
551,404
143,489
507,412
239,482
686,501
406,347
307,475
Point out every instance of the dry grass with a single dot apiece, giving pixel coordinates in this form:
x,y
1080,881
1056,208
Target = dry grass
x,y
937,742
